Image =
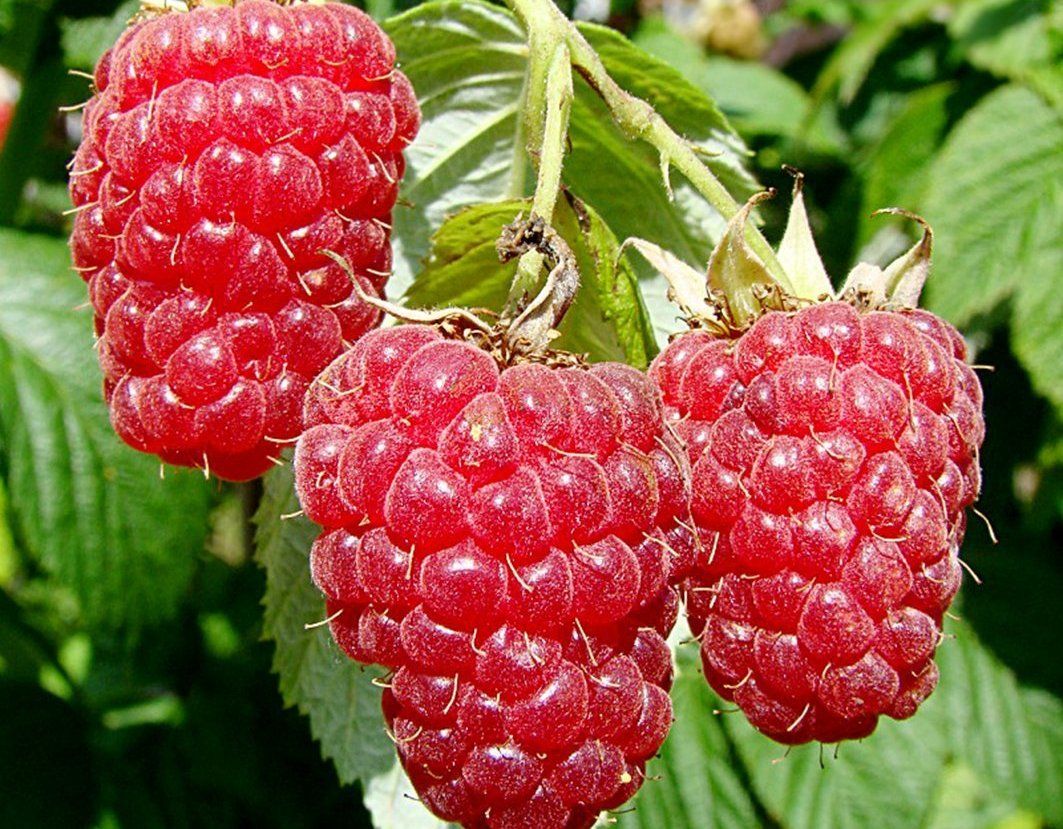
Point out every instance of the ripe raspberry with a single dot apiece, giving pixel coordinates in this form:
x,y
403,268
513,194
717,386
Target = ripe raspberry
x,y
498,540
223,150
834,453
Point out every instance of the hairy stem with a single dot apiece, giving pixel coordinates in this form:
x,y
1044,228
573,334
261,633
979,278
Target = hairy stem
x,y
546,113
546,25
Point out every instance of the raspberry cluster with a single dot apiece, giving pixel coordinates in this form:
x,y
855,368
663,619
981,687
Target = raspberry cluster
x,y
499,540
223,150
833,453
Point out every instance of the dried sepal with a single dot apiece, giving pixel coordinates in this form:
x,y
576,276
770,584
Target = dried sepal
x,y
686,285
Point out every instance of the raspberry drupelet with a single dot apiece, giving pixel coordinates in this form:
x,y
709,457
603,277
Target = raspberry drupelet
x,y
499,540
223,150
834,453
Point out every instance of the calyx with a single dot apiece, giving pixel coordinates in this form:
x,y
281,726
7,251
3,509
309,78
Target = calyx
x,y
737,287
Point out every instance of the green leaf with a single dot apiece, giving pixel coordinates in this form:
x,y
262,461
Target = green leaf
x,y
963,802
467,61
1015,39
393,803
757,99
315,676
1037,320
1006,737
607,321
995,214
693,783
850,63
92,512
895,168
85,39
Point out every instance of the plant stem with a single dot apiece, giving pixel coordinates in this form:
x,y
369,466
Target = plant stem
x,y
547,26
547,105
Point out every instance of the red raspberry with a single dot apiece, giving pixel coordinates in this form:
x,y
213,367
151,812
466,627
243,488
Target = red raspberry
x,y
834,453
223,150
498,540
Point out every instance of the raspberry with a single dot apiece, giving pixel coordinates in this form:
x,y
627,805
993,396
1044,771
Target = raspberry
x,y
833,453
224,149
499,540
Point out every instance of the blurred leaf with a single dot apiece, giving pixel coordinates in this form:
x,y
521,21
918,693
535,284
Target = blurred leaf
x,y
9,559
963,802
607,320
93,512
339,697
1016,39
895,170
7,14
85,39
992,198
467,62
1037,322
393,803
693,783
1010,738
21,24
850,63
45,761
756,98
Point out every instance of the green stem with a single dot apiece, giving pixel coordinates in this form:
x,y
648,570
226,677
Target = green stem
x,y
547,104
546,25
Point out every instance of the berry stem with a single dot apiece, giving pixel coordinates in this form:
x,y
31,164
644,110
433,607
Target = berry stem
x,y
546,114
546,25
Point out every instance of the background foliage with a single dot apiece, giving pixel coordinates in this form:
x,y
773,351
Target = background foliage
x,y
137,634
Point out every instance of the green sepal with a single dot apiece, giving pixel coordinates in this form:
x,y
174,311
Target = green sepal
x,y
797,251
736,272
901,282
